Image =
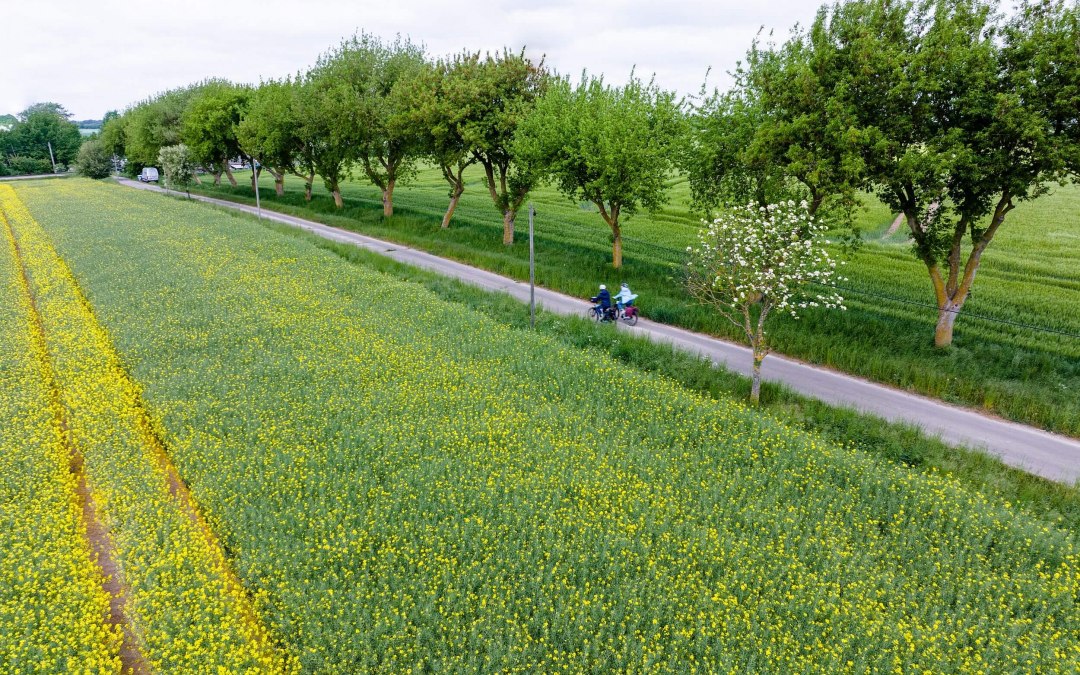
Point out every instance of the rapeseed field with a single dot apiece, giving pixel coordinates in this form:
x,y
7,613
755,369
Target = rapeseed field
x,y
406,485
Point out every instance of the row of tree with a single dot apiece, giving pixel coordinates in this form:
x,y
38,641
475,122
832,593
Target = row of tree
x,y
946,109
380,108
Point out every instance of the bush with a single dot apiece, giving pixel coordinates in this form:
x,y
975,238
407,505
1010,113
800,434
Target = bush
x,y
94,160
19,165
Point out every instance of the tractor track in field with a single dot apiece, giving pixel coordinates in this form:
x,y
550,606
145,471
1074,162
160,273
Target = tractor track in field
x,y
97,535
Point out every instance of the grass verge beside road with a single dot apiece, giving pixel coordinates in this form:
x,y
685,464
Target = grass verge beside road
x,y
903,445
1028,277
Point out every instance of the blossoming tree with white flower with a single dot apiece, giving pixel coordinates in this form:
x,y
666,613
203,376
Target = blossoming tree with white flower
x,y
756,260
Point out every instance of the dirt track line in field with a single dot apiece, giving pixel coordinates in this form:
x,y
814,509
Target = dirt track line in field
x,y
900,220
97,535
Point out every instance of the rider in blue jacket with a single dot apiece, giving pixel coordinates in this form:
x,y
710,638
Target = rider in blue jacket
x,y
603,298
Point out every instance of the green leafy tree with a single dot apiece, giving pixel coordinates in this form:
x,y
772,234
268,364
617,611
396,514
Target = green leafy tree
x,y
439,101
781,131
325,127
112,134
612,146
178,166
47,107
960,115
38,127
94,159
376,77
153,124
303,156
268,131
715,155
209,125
503,87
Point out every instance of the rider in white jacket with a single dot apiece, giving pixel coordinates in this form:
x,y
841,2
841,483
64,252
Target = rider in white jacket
x,y
625,298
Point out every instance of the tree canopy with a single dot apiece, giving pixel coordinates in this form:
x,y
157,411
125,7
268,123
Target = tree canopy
x,y
374,76
94,159
946,110
976,114
25,147
325,125
438,101
153,124
209,124
269,130
612,146
503,87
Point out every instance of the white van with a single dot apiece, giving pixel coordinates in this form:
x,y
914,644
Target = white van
x,y
149,175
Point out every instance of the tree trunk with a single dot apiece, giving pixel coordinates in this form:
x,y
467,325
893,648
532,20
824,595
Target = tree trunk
x,y
508,226
450,209
307,191
610,214
279,185
616,247
228,173
217,178
755,378
197,181
388,199
943,331
953,291
337,199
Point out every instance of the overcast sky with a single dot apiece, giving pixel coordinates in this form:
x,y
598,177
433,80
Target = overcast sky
x,y
94,56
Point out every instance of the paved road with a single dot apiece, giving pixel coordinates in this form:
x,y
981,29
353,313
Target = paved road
x,y
1042,453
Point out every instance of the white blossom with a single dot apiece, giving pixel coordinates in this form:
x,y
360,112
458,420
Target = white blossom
x,y
756,259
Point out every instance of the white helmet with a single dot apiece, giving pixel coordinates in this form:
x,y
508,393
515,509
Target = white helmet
x,y
603,287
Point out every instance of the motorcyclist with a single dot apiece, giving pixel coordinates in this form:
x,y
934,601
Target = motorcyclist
x,y
625,297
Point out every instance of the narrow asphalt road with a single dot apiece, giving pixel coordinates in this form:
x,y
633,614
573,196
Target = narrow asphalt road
x,y
1040,452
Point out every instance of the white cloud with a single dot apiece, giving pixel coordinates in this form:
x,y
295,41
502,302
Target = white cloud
x,y
93,57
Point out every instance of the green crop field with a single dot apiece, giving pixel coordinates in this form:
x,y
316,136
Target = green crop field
x,y
1028,276
402,483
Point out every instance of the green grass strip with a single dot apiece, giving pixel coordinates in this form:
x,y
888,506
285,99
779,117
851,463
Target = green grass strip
x,y
1027,276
